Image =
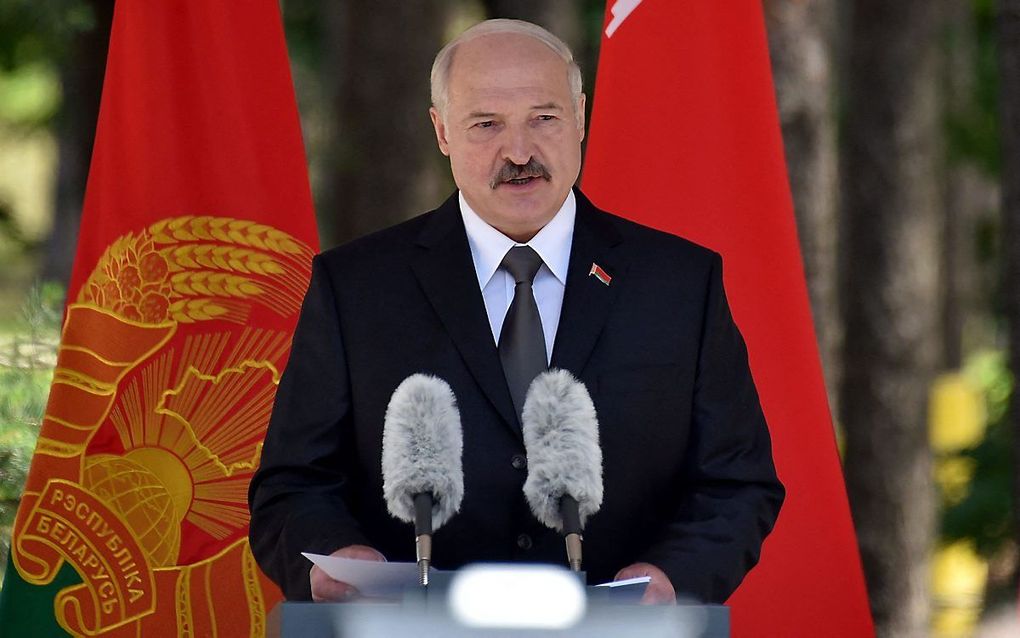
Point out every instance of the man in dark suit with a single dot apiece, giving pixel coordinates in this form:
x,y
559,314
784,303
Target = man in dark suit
x,y
639,316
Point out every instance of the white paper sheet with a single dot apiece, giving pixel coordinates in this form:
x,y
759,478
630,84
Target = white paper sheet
x,y
639,580
388,580
373,579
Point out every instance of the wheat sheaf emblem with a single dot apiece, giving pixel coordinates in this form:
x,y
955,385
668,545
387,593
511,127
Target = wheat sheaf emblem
x,y
197,268
154,425
191,419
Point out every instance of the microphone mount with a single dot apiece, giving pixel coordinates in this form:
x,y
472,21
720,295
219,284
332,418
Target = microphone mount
x,y
570,511
423,535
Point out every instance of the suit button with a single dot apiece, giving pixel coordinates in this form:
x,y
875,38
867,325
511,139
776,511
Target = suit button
x,y
519,461
524,542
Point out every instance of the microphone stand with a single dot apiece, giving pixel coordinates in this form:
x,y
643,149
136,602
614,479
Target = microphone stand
x,y
423,535
571,530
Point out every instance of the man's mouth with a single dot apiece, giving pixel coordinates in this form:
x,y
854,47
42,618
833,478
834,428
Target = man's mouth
x,y
520,181
520,175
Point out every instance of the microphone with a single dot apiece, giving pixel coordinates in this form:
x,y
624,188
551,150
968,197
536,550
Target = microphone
x,y
561,437
422,443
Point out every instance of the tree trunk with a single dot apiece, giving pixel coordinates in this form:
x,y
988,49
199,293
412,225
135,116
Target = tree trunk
x,y
800,43
972,200
389,168
320,82
890,299
959,192
970,280
81,78
1009,104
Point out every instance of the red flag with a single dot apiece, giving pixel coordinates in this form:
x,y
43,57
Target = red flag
x,y
194,254
685,137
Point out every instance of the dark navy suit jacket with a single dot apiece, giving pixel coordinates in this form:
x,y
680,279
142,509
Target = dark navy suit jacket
x,y
690,484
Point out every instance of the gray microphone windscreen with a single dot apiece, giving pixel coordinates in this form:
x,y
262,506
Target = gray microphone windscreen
x,y
561,436
421,449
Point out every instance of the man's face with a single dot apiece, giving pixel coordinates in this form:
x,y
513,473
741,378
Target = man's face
x,y
511,131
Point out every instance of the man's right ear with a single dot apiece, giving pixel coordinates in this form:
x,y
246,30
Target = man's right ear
x,y
437,123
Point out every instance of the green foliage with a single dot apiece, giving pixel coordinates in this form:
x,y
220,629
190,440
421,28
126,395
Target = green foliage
x,y
27,357
36,31
36,39
985,514
29,95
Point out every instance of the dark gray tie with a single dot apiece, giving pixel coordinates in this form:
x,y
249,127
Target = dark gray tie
x,y
521,340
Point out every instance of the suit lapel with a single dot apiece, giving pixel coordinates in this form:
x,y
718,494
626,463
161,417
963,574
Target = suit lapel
x,y
446,273
587,300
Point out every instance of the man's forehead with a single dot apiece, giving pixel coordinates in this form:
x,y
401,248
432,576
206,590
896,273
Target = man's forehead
x,y
490,98
521,70
504,48
505,61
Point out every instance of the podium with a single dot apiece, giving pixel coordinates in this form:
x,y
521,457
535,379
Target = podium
x,y
428,619
501,600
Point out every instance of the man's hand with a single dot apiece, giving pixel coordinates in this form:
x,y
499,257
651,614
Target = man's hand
x,y
325,589
660,590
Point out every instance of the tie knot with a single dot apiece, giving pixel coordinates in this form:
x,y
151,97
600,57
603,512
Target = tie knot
x,y
522,262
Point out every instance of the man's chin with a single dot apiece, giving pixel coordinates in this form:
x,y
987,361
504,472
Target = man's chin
x,y
528,201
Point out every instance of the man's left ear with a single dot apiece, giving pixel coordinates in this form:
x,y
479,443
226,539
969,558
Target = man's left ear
x,y
580,115
440,128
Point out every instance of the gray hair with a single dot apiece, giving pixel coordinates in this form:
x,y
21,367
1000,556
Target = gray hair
x,y
444,59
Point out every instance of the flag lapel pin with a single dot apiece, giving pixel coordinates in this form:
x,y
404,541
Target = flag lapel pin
x,y
597,272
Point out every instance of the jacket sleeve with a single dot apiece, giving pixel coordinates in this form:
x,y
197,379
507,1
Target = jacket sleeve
x,y
731,494
296,496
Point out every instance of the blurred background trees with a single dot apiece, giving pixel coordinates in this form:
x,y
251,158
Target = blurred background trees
x,y
1009,77
889,245
902,129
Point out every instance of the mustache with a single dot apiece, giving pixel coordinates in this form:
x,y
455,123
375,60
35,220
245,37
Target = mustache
x,y
509,171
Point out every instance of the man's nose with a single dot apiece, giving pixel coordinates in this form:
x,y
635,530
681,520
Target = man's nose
x,y
518,145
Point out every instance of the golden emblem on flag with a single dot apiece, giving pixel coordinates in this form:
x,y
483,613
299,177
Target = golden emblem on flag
x,y
165,379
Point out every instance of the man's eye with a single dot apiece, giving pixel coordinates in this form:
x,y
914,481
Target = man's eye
x,y
485,124
546,118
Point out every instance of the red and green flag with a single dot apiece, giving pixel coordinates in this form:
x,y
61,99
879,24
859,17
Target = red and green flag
x,y
685,137
194,254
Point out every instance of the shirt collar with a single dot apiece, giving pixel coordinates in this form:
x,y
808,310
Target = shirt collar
x,y
489,246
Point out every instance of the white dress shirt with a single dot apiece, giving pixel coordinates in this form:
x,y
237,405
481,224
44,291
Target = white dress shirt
x,y
552,243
